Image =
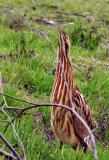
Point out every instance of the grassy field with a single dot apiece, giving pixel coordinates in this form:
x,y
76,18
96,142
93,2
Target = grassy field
x,y
28,46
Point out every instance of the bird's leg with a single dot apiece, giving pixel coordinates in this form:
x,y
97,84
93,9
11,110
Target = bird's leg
x,y
61,144
75,147
84,149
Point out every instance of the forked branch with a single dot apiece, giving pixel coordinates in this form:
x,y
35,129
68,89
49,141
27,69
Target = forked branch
x,y
36,105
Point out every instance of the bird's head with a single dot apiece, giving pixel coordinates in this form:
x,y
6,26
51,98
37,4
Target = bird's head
x,y
64,43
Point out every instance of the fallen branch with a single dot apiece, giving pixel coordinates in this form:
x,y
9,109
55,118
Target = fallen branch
x,y
36,105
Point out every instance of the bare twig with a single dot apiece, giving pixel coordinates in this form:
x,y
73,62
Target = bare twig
x,y
7,155
66,107
35,105
77,68
1,90
18,99
16,135
10,147
89,72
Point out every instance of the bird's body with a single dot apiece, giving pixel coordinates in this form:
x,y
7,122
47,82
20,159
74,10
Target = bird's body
x,y
66,126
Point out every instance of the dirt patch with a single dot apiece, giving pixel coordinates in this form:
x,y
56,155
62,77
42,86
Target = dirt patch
x,y
18,23
103,129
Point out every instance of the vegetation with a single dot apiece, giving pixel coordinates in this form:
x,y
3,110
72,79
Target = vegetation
x,y
28,46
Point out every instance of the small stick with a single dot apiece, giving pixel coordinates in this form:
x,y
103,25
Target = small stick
x,y
10,147
7,155
18,99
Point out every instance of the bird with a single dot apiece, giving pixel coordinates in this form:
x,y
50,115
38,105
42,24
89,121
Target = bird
x,y
66,126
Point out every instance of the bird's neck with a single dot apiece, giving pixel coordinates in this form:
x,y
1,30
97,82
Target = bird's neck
x,y
64,69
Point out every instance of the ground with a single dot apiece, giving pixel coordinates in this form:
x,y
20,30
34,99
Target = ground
x,y
28,54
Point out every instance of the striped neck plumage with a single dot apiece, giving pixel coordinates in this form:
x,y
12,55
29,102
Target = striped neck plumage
x,y
64,59
63,83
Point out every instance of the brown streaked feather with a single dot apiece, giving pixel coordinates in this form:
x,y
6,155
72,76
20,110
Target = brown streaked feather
x,y
84,111
66,126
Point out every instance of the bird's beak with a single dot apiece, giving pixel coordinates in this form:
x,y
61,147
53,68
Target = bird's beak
x,y
62,38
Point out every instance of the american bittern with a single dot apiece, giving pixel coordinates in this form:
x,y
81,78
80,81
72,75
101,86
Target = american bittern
x,y
66,126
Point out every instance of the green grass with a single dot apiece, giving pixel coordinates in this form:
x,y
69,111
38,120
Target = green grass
x,y
28,59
